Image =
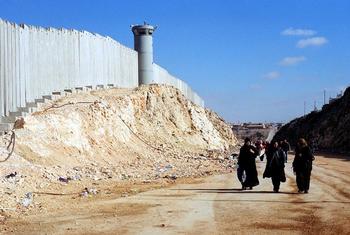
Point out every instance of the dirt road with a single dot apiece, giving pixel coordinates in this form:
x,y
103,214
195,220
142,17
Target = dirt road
x,y
214,206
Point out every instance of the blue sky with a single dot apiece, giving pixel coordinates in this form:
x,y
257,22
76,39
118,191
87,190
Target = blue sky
x,y
249,60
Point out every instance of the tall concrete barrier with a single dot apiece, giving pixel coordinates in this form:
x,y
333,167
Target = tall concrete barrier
x,y
162,76
37,61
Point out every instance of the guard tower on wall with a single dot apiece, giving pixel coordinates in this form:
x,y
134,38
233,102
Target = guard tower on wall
x,y
143,44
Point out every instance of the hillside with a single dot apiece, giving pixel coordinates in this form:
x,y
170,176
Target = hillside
x,y
143,134
329,128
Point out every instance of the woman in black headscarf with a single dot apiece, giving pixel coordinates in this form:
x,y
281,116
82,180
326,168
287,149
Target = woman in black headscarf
x,y
246,162
302,165
275,165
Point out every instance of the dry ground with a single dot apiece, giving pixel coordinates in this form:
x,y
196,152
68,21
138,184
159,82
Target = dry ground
x,y
214,205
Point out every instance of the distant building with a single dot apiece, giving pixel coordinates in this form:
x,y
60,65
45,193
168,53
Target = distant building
x,y
252,130
256,126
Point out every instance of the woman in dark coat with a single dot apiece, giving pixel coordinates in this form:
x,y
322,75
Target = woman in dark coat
x,y
246,163
268,153
302,165
275,166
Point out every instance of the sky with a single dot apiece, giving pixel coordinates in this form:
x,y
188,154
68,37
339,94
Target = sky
x,y
251,61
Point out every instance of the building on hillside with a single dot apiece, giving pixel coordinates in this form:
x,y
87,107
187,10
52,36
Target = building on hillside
x,y
252,130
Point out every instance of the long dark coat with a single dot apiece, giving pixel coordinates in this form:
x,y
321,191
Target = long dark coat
x,y
303,160
277,165
269,154
246,161
275,159
302,166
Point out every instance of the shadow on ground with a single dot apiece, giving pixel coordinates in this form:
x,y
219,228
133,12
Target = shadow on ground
x,y
206,190
344,157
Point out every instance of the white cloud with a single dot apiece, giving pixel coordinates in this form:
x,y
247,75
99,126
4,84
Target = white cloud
x,y
289,61
298,32
272,75
315,41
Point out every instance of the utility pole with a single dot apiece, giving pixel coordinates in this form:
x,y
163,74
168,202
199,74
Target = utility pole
x,y
304,108
324,96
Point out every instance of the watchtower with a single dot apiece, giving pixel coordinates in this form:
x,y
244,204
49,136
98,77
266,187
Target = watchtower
x,y
143,44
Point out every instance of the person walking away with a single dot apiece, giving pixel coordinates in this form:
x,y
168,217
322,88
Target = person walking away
x,y
313,146
286,148
242,163
266,146
268,154
302,165
246,161
260,149
241,174
276,166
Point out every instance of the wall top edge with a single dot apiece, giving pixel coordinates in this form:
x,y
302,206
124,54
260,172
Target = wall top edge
x,y
59,30
180,80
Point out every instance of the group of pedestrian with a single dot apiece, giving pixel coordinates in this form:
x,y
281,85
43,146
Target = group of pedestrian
x,y
276,156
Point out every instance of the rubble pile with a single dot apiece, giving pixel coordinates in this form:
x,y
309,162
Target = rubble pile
x,y
143,134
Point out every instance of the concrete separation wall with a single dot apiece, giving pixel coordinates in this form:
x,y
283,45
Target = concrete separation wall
x,y
35,62
162,76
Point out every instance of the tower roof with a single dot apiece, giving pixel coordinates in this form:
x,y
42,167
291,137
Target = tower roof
x,y
143,29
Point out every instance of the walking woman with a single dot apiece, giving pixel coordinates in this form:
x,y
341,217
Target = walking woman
x,y
275,166
302,165
246,162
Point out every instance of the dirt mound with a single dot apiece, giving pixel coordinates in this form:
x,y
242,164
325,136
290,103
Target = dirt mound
x,y
101,123
328,129
147,133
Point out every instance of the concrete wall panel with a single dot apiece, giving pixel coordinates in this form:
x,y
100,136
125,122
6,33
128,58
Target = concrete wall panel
x,y
35,61
162,76
2,67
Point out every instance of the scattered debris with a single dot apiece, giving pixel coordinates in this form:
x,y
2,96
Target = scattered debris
x,y
165,169
124,194
64,179
76,177
172,177
11,175
88,191
28,199
19,123
92,191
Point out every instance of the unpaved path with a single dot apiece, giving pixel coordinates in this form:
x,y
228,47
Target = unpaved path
x,y
215,206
